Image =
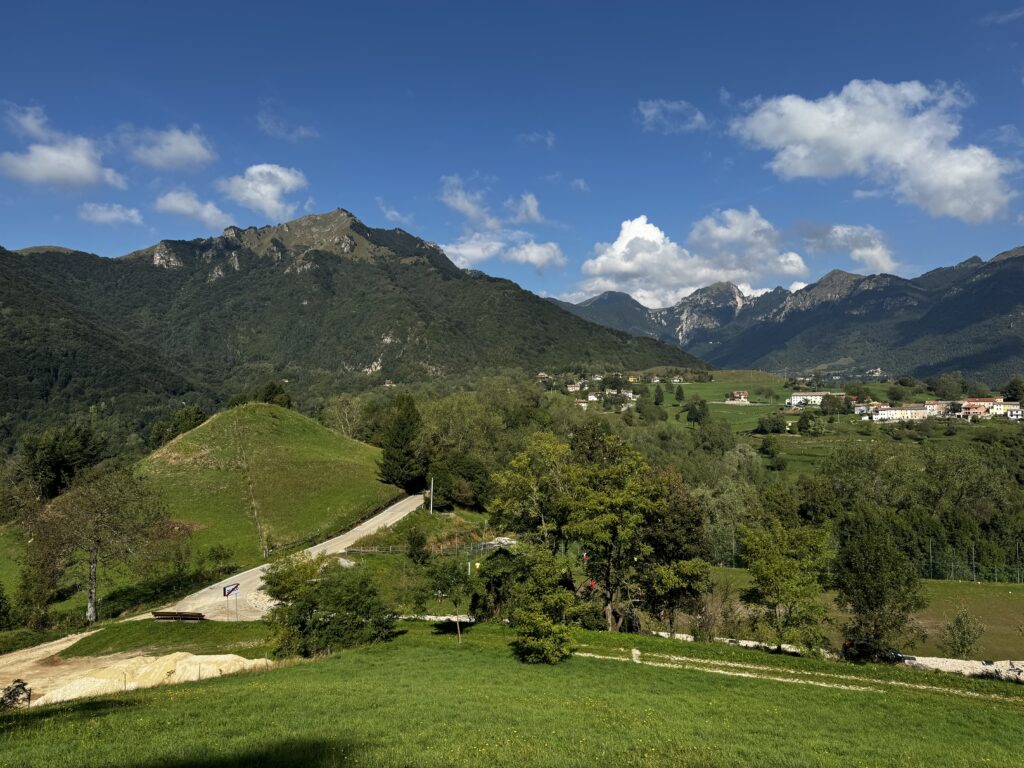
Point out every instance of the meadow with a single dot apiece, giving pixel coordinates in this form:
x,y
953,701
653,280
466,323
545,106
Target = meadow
x,y
424,700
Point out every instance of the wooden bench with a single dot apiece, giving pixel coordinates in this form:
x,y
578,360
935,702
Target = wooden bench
x,y
178,616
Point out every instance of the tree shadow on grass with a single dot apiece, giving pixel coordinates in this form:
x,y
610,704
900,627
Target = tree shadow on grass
x,y
449,627
64,712
308,753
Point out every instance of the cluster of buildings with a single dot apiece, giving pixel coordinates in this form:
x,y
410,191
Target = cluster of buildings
x,y
969,409
595,391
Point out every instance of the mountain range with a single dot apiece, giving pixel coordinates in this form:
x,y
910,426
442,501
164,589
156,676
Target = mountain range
x,y
968,318
323,302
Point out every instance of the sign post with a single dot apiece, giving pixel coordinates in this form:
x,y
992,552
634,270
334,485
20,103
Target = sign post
x,y
229,590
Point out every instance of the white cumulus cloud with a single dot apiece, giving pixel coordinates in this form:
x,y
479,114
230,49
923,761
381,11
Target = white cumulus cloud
x,y
526,209
54,157
170,149
185,203
897,135
732,245
472,248
540,255
109,213
263,188
664,116
865,244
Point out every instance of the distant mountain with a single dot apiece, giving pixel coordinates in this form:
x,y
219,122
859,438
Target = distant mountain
x,y
968,317
324,302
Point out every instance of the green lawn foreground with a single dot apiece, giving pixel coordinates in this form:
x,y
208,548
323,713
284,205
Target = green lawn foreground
x,y
423,700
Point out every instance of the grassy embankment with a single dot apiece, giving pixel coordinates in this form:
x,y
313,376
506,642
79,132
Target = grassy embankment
x,y
423,700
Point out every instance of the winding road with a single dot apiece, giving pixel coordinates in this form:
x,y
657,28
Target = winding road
x,y
251,602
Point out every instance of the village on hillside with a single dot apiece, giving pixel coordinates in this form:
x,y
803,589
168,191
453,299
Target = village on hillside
x,y
968,409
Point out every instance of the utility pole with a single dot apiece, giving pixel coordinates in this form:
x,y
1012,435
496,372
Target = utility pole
x,y
431,494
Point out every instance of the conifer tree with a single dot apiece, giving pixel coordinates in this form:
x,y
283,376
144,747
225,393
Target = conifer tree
x,y
400,463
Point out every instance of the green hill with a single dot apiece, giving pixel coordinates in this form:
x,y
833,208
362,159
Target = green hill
x,y
260,476
253,477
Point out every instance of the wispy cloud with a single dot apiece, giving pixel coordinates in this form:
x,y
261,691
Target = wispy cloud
x,y
664,116
393,214
547,138
1004,17
272,124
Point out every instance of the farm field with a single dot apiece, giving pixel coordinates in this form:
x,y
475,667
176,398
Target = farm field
x,y
423,700
999,606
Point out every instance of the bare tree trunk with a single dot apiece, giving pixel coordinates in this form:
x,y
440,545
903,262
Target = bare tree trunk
x,y
90,608
458,628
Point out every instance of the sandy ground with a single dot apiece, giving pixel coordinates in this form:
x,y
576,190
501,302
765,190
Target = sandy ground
x,y
53,678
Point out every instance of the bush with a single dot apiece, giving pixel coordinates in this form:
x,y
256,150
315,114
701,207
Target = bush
x,y
416,540
539,640
960,637
324,607
771,424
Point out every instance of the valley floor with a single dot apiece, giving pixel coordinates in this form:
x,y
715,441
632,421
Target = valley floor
x,y
424,700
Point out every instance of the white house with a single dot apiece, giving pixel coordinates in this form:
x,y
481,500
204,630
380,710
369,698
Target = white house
x,y
801,399
593,397
1015,414
574,387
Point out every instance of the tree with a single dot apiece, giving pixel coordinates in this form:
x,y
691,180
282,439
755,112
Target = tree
x,y
417,551
534,496
715,436
400,462
810,424
877,584
50,460
109,520
449,579
1014,390
769,447
961,635
835,404
771,424
787,567
680,395
659,395
896,394
697,411
609,523
323,606
676,587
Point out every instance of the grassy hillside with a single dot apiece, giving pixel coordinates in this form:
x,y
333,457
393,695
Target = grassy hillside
x,y
423,700
259,475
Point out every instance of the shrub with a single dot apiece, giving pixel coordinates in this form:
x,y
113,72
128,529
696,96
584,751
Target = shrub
x,y
539,640
960,637
324,607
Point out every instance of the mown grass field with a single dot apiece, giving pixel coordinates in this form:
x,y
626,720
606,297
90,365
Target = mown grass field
x,y
999,606
259,474
423,700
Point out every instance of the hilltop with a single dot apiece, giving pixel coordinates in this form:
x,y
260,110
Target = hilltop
x,y
968,317
323,301
260,476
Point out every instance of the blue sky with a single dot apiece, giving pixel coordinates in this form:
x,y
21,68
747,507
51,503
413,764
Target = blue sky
x,y
573,147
